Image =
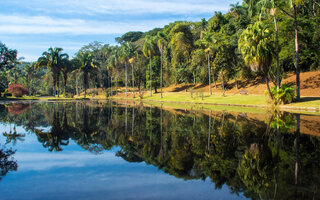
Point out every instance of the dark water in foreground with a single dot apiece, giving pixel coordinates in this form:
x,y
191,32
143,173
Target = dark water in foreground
x,y
90,150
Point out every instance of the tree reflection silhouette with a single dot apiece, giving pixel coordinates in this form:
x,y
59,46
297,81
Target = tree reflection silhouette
x,y
253,156
7,162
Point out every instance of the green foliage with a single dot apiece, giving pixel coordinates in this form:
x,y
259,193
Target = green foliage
x,y
131,36
286,94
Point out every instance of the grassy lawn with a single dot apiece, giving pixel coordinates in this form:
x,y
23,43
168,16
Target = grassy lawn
x,y
255,100
180,99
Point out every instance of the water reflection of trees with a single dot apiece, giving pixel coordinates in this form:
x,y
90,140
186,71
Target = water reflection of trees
x,y
246,154
7,162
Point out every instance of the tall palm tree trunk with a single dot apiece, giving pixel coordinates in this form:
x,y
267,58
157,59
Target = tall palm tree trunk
x,y
223,89
110,86
277,51
65,91
54,86
126,78
133,80
161,75
65,85
150,76
85,83
77,87
209,71
297,50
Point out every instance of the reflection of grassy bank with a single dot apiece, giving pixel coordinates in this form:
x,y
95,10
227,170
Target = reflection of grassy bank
x,y
47,98
190,106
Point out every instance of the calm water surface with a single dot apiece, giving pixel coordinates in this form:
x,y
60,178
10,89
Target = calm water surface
x,y
91,150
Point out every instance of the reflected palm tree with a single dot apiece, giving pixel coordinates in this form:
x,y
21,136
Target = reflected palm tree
x,y
58,135
13,136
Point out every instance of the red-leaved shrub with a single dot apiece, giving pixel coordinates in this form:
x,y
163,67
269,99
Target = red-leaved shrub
x,y
17,108
18,90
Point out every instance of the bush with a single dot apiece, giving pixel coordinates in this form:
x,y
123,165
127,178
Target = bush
x,y
286,94
18,90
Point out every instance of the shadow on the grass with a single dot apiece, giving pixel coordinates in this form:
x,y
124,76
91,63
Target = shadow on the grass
x,y
308,99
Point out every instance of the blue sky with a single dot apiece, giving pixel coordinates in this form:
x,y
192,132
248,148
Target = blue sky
x,y
32,26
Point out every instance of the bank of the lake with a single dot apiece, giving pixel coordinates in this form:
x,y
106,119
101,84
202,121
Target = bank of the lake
x,y
200,100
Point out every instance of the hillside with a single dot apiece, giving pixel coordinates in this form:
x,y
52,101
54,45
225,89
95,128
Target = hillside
x,y
310,85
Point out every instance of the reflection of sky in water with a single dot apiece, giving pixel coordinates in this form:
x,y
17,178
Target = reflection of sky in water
x,y
79,174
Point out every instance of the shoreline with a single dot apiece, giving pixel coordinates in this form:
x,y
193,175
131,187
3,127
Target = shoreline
x,y
293,107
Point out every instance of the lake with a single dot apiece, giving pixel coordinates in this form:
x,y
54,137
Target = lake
x,y
125,150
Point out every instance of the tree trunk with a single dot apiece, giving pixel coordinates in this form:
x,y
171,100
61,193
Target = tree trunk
x,y
126,79
236,83
111,86
150,76
297,50
85,91
268,87
139,78
223,90
85,84
65,91
209,70
58,86
133,80
54,87
117,85
77,87
277,51
214,78
161,75
65,86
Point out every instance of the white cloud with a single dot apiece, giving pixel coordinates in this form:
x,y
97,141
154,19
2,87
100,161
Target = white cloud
x,y
136,7
46,161
14,24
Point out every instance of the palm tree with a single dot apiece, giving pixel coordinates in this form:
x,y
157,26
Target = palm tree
x,y
271,6
149,51
162,41
208,41
124,57
87,65
67,67
52,59
257,49
268,7
113,63
294,6
127,51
